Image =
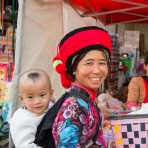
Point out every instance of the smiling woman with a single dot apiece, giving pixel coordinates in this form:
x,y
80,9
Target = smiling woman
x,y
92,69
82,63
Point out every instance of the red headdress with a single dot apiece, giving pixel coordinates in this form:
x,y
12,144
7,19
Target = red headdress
x,y
76,41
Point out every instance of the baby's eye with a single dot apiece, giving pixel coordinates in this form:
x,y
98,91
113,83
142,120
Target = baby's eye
x,y
42,95
30,97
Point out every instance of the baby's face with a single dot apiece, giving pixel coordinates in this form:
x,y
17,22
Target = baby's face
x,y
35,95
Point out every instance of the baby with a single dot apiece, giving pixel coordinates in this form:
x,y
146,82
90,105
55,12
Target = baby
x,y
35,93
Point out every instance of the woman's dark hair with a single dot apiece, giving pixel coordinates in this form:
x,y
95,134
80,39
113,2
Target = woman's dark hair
x,y
146,58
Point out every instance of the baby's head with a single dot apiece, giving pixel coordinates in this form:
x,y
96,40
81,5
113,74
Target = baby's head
x,y
35,90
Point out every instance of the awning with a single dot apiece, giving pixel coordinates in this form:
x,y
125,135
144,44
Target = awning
x,y
113,11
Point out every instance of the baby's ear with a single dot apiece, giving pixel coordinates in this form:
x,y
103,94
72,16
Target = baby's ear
x,y
51,92
20,97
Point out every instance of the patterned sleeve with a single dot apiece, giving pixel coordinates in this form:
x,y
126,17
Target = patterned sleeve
x,y
100,139
67,127
75,124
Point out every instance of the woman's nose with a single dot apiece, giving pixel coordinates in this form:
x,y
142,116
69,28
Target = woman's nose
x,y
96,68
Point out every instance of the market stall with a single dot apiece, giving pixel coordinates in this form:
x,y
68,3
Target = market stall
x,y
112,11
8,18
42,23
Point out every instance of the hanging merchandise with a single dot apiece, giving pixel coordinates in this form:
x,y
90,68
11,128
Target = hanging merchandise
x,y
126,64
3,71
140,67
129,56
131,40
7,36
2,16
113,82
131,46
8,23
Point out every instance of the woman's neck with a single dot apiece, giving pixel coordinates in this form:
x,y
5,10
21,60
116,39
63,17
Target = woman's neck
x,y
91,92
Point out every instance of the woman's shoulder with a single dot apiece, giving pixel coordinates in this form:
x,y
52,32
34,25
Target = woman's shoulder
x,y
136,79
69,100
75,102
136,82
72,99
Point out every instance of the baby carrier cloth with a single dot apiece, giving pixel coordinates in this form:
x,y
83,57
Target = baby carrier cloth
x,y
44,137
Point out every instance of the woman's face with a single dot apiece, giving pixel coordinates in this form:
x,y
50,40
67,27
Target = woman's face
x,y
92,69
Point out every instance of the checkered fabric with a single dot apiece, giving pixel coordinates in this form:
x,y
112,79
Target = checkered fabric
x,y
130,133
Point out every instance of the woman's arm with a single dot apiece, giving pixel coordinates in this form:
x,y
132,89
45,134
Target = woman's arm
x,y
67,127
134,92
75,124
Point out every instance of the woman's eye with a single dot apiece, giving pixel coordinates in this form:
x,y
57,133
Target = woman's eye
x,y
102,63
88,63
